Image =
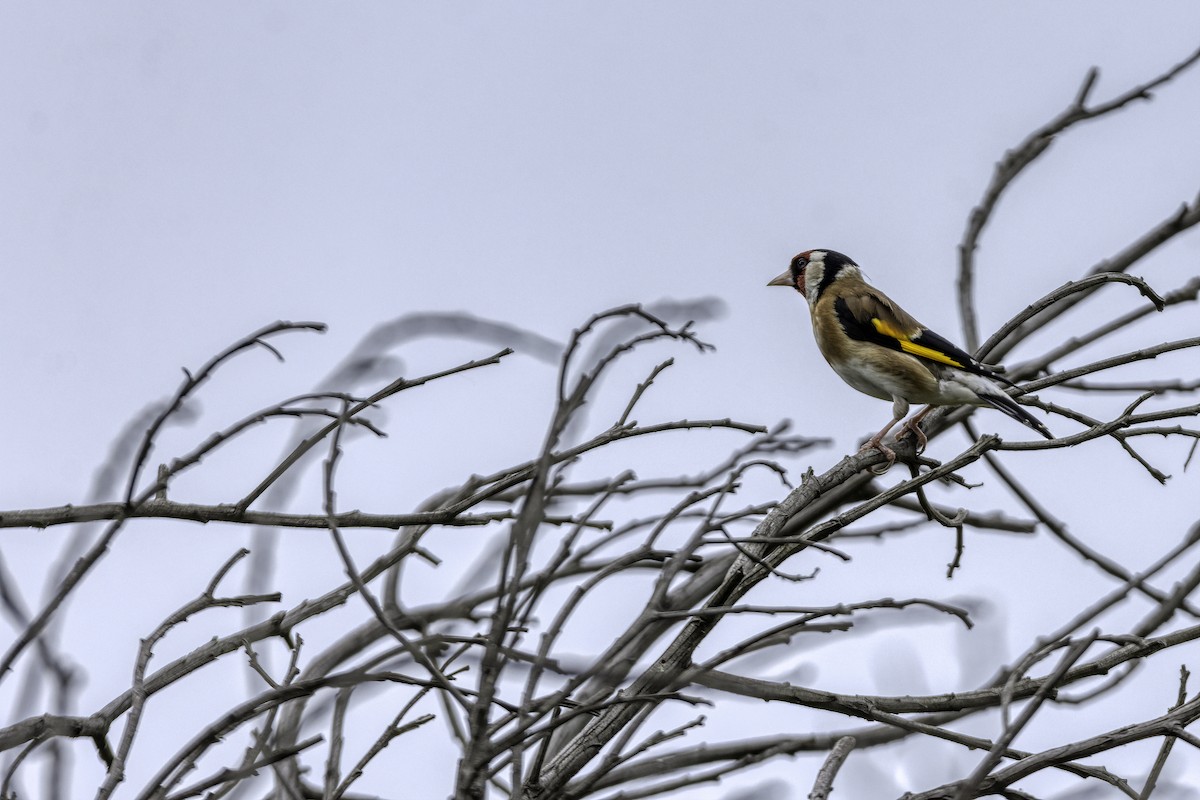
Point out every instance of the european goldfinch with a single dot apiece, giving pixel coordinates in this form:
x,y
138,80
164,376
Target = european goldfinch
x,y
881,350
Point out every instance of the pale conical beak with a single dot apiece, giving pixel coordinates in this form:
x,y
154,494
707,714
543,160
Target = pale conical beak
x,y
782,279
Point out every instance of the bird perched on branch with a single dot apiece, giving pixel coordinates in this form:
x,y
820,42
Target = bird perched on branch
x,y
881,350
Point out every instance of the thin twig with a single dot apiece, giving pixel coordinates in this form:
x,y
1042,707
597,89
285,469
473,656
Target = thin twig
x,y
1164,751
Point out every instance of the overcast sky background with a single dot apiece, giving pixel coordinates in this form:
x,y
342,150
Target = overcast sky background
x,y
176,175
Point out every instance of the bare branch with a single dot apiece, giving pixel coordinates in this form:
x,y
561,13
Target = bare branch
x,y
967,788
194,381
231,777
208,599
396,386
829,770
1171,723
1016,160
1164,751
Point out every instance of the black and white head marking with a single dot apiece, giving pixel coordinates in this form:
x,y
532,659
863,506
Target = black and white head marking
x,y
815,270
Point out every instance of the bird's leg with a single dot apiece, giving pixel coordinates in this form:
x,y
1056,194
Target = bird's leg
x,y
912,425
899,410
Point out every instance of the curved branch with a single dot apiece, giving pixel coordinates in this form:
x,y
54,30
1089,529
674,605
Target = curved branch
x,y
1016,160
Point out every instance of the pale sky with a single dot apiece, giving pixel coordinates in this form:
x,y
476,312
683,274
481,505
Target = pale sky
x,y
176,175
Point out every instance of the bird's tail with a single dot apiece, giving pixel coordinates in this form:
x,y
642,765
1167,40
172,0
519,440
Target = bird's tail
x,y
1002,402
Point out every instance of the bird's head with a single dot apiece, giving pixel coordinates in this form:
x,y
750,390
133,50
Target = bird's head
x,y
812,271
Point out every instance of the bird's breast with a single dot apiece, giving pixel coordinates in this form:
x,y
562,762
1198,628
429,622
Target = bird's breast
x,y
864,377
873,369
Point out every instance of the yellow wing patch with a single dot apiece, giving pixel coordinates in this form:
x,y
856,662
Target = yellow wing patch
x,y
927,352
888,330
912,347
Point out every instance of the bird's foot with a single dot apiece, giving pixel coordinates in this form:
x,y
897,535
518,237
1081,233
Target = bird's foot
x,y
876,443
913,426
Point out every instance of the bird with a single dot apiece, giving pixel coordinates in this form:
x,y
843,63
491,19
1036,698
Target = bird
x,y
881,350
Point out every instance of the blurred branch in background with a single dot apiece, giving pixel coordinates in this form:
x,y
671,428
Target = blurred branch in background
x,y
537,693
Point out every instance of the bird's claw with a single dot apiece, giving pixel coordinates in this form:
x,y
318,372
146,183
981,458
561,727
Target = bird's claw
x,y
888,453
915,429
